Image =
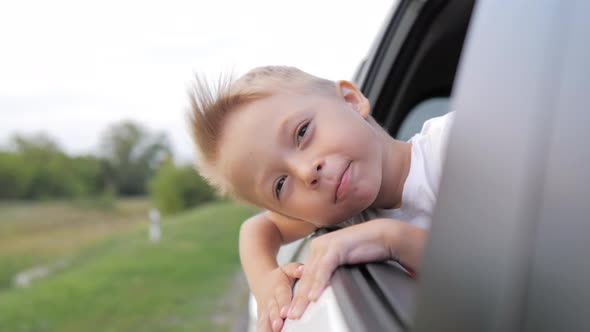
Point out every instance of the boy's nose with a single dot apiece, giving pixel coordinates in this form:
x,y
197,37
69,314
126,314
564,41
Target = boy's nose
x,y
310,175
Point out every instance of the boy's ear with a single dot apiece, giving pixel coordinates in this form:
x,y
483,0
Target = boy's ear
x,y
353,96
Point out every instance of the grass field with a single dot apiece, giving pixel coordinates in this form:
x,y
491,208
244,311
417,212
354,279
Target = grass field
x,y
36,233
115,279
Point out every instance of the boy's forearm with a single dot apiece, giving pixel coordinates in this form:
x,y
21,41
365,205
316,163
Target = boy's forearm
x,y
260,241
406,242
381,239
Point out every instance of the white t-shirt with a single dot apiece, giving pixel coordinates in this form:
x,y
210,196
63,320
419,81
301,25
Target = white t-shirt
x,y
421,186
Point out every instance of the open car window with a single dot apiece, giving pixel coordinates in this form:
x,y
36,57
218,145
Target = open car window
x,y
408,78
408,82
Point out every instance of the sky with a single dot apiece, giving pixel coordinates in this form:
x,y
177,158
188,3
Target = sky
x,y
72,68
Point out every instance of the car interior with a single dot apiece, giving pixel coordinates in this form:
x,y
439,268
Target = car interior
x,y
420,81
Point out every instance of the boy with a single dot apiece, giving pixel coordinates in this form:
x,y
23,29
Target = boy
x,y
307,150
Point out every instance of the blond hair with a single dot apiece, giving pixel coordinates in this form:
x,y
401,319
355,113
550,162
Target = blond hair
x,y
209,109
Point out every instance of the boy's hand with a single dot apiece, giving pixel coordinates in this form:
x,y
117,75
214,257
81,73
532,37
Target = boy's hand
x,y
273,305
356,244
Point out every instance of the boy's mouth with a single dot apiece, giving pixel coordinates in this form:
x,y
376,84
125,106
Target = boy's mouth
x,y
342,183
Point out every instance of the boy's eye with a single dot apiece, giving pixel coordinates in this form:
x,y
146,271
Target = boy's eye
x,y
279,185
301,132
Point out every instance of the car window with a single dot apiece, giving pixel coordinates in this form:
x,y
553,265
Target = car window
x,y
425,110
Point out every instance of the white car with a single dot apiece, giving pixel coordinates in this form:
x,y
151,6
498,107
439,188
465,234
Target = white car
x,y
510,236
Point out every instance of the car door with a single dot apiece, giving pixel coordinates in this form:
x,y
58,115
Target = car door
x,y
509,248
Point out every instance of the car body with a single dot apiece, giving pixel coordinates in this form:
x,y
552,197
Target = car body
x,y
511,231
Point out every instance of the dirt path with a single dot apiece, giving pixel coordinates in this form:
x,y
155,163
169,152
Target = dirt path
x,y
233,306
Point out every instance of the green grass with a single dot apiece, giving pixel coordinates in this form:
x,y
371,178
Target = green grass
x,y
36,233
126,283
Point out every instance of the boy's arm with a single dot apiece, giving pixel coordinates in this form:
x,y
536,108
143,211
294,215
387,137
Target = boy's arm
x,y
260,239
372,241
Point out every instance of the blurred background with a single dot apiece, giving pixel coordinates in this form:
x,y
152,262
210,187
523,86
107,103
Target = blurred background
x,y
104,225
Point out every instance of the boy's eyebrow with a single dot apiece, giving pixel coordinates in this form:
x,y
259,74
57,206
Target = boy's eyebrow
x,y
284,124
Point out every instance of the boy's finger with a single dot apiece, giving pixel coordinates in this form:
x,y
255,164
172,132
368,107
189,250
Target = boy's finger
x,y
300,291
322,279
263,324
293,270
294,304
316,290
283,298
300,297
298,308
299,301
274,318
284,311
277,324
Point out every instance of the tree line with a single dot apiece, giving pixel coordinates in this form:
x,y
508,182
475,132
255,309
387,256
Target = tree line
x,y
131,161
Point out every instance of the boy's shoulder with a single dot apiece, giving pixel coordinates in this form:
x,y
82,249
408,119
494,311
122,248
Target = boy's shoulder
x,y
431,144
438,126
436,131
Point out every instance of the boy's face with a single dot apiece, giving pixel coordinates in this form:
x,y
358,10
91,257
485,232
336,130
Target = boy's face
x,y
310,157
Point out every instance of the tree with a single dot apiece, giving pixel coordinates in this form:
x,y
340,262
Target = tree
x,y
131,154
14,176
176,188
41,167
39,143
37,168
